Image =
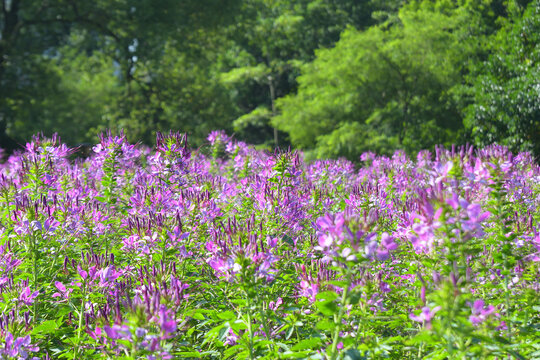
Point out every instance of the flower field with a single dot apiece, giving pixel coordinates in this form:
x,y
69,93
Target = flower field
x,y
230,252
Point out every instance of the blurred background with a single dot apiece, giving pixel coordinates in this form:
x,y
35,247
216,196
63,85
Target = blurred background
x,y
332,77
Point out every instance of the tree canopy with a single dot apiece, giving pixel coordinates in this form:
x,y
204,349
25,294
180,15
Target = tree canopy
x,y
335,78
384,88
505,89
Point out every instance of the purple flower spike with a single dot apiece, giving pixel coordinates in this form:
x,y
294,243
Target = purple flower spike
x,y
167,324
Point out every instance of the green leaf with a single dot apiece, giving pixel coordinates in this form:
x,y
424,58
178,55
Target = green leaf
x,y
516,354
198,315
45,327
189,354
422,336
339,283
232,351
307,344
239,302
238,325
257,73
214,332
287,239
353,354
227,315
327,295
502,340
258,117
328,308
354,297
325,325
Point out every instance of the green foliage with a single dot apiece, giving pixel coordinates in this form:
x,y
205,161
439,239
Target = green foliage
x,y
504,90
74,97
335,78
77,68
272,40
384,88
175,91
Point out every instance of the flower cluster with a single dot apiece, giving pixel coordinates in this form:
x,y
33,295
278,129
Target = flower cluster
x,y
240,253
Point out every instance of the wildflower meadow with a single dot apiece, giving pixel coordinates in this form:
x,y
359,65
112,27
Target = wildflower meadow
x,y
228,252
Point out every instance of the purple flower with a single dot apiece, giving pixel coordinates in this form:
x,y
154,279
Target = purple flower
x,y
51,225
63,291
82,273
27,297
370,246
309,290
331,229
274,305
140,332
167,324
217,135
107,274
425,316
118,332
231,338
17,348
388,242
480,312
94,334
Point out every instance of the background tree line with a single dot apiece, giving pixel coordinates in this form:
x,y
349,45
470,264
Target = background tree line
x,y
332,77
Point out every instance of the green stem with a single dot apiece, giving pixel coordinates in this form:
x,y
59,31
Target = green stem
x,y
35,274
265,323
507,303
502,232
263,317
81,315
250,332
338,319
249,324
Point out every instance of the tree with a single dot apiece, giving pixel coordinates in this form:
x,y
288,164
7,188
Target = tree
x,y
384,88
130,34
70,94
181,91
504,90
271,40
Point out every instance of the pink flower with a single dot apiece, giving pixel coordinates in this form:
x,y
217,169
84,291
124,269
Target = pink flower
x,y
274,305
309,290
480,312
27,297
167,324
425,316
63,291
231,338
